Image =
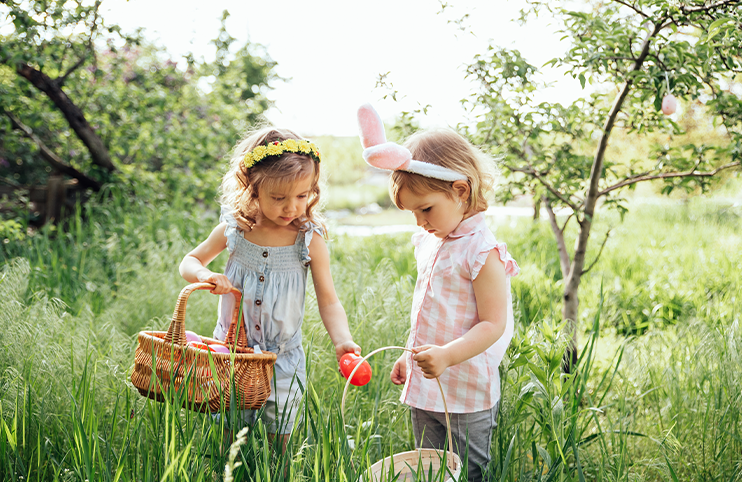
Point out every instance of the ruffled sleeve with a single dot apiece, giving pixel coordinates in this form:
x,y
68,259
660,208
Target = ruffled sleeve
x,y
309,229
418,237
232,230
478,256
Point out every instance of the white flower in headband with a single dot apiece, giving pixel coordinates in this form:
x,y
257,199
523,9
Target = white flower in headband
x,y
390,155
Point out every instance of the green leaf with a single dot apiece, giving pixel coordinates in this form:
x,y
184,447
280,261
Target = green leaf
x,y
541,354
669,467
715,28
544,455
568,380
582,80
506,465
539,373
519,361
657,102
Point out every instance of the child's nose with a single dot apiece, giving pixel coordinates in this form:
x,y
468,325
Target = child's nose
x,y
419,219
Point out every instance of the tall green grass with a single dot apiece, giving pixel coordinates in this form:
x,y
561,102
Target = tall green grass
x,y
661,404
669,262
106,244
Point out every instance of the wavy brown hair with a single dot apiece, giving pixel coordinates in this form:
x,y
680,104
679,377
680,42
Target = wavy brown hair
x,y
240,185
446,148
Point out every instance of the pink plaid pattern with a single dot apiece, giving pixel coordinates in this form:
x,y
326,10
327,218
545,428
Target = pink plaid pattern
x,y
444,308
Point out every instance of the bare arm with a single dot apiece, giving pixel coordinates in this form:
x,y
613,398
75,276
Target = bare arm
x,y
193,267
330,310
490,292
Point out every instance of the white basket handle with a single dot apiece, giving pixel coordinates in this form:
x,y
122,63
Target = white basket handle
x,y
443,397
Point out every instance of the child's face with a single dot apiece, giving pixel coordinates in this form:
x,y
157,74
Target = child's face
x,y
282,204
435,212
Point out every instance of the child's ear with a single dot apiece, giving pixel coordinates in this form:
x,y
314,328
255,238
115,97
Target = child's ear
x,y
462,190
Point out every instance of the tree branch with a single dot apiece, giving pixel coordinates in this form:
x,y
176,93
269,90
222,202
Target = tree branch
x,y
632,7
533,173
668,175
659,61
61,79
74,115
49,156
729,67
632,59
90,48
706,8
596,171
559,235
608,233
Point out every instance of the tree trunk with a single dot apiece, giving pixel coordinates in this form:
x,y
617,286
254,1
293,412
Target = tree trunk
x,y
50,157
537,208
55,197
572,282
73,114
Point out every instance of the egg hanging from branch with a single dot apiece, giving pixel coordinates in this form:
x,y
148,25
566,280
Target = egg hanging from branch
x,y
669,104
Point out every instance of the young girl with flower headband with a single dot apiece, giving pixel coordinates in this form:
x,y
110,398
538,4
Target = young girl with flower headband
x,y
462,317
273,234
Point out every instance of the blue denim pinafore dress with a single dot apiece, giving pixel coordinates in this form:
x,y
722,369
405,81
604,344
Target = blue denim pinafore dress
x,y
273,281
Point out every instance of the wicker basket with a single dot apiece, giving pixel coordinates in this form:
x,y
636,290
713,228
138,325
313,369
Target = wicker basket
x,y
403,464
165,366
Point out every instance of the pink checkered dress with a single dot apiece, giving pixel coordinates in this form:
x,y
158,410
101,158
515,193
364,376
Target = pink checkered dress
x,y
444,308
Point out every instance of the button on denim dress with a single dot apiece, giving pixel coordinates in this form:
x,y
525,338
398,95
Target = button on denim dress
x,y
273,282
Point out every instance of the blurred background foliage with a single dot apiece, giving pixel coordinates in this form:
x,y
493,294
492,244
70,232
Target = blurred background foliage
x,y
166,127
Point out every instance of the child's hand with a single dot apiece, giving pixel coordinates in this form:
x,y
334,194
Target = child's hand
x,y
346,347
399,372
432,360
221,283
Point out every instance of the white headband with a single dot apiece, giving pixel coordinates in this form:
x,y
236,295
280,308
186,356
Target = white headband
x,y
390,155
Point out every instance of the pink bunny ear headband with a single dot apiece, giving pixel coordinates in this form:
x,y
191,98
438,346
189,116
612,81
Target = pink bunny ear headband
x,y
390,155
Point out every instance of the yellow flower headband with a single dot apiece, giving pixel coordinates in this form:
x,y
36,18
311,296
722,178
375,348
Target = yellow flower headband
x,y
277,148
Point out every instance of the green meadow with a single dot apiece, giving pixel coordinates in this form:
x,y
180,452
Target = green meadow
x,y
657,394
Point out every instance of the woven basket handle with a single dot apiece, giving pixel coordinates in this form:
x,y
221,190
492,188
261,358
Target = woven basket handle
x,y
443,396
176,331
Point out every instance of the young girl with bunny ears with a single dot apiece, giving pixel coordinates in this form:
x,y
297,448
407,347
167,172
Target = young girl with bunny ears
x,y
462,317
270,228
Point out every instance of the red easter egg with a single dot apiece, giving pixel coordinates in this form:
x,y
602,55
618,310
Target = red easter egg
x,y
348,362
200,346
191,336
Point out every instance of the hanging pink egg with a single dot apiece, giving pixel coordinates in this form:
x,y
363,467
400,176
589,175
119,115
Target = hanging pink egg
x,y
669,104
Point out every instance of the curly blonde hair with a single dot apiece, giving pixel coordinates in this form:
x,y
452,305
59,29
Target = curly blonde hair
x,y
449,149
240,185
